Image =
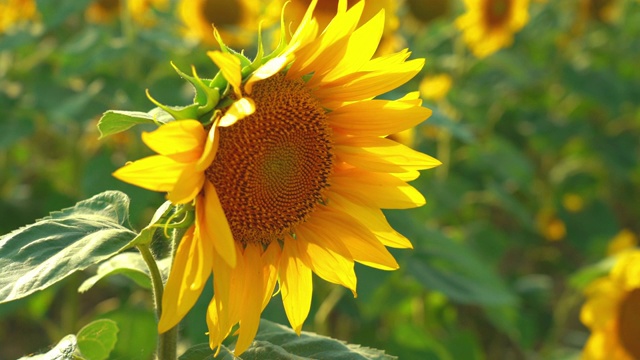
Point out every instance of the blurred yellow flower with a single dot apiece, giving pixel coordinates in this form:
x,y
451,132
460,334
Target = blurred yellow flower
x,y
290,179
624,240
600,10
13,12
573,202
435,87
612,312
550,226
489,25
106,11
236,20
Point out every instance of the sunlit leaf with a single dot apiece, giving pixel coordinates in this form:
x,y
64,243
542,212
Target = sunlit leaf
x,y
62,351
97,339
38,255
115,121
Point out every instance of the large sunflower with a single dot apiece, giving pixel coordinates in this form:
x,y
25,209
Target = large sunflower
x,y
489,25
289,179
612,312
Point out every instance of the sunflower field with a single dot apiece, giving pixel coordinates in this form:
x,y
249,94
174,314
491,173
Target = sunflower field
x,y
320,179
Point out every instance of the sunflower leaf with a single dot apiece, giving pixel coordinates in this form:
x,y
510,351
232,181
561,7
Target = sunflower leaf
x,y
64,350
129,264
97,339
38,255
278,342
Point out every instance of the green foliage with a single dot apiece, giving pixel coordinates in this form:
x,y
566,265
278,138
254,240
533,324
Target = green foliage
x,y
113,121
97,339
278,342
64,350
41,254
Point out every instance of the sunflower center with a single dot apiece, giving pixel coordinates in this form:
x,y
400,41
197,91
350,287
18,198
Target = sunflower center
x,y
629,323
496,12
221,13
271,167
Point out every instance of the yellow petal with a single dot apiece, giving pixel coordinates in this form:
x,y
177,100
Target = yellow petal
x,y
219,319
191,269
267,70
295,284
210,147
368,84
307,19
210,215
270,264
157,173
381,155
251,299
238,110
376,117
182,140
371,218
187,186
377,189
362,45
362,244
328,258
337,31
230,67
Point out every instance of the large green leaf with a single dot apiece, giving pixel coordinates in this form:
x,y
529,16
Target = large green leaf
x,y
129,264
38,255
277,342
64,350
97,339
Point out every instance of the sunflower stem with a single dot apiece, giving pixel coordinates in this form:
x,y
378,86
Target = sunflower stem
x,y
167,342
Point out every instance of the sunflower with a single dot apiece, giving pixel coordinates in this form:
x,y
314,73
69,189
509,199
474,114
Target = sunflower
x,y
489,25
13,12
290,178
435,87
612,312
236,20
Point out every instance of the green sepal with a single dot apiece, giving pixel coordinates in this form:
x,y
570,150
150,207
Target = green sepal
x,y
206,97
178,113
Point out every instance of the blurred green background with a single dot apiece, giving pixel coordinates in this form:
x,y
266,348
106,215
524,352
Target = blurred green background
x,y
540,181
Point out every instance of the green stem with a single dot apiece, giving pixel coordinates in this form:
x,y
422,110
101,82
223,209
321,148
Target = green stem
x,y
167,342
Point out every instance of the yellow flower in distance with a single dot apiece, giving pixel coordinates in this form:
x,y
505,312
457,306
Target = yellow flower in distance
x,y
612,312
435,87
106,11
236,20
291,179
489,25
13,12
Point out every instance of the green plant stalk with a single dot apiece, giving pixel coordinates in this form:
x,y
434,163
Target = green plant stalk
x,y
167,342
